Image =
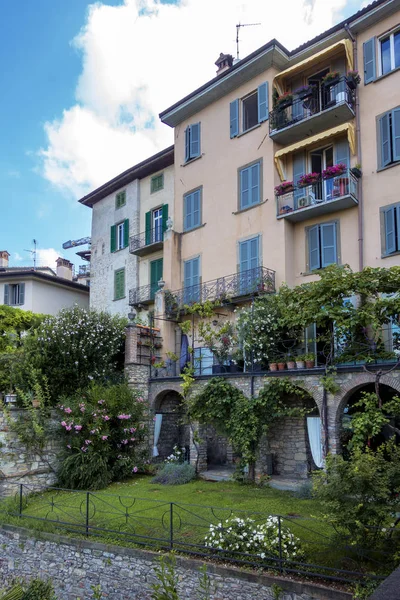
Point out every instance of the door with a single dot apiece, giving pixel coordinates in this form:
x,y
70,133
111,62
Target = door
x,y
249,266
156,273
191,277
317,100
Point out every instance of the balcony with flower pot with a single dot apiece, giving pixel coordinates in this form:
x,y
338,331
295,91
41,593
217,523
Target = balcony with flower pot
x,y
313,108
317,194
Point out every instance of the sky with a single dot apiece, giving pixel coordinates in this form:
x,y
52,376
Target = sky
x,y
82,86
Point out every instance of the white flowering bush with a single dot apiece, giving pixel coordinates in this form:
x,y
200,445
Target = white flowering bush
x,y
258,331
77,347
176,456
259,539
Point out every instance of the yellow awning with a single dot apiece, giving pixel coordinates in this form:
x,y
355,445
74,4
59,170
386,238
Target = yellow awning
x,y
347,128
308,62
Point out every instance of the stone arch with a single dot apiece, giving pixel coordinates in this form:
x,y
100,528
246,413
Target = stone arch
x,y
159,390
173,432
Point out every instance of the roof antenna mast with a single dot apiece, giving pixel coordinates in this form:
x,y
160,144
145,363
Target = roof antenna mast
x,y
33,253
238,26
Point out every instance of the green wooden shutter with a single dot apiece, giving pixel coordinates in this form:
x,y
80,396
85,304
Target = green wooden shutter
x,y
390,235
263,102
386,150
119,284
113,238
164,217
234,118
156,273
6,294
369,61
148,227
126,233
314,258
21,299
396,133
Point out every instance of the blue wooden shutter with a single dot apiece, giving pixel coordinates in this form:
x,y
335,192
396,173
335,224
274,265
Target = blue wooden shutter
x,y
314,258
113,238
126,233
234,118
196,208
386,150
244,188
188,212
255,183
390,234
195,140
254,254
21,299
299,169
249,254
164,217
396,133
187,143
342,152
263,102
328,244
369,61
192,280
244,262
6,294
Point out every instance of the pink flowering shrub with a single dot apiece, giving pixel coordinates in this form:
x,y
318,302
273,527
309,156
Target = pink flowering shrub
x,y
104,433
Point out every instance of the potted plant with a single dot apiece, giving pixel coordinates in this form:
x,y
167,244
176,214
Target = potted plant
x,y
334,171
291,363
353,79
309,360
285,209
357,171
308,179
273,363
281,365
300,364
284,188
284,100
331,78
304,91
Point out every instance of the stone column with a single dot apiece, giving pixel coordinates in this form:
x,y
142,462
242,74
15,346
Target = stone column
x,y
136,373
198,449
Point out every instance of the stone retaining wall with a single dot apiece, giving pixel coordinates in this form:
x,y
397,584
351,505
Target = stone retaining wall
x,y
126,574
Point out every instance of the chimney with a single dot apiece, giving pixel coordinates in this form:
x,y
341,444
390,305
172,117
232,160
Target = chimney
x,y
224,62
64,268
4,259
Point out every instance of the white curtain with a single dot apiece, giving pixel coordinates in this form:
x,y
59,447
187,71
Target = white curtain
x,y
157,429
314,436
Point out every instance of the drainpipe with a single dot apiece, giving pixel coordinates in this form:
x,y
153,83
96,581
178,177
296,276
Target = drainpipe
x,y
359,156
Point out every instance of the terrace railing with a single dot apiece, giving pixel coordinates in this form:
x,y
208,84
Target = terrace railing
x,y
142,295
146,238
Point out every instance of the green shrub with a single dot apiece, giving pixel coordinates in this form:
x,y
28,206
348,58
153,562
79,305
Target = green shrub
x,y
36,589
175,474
104,430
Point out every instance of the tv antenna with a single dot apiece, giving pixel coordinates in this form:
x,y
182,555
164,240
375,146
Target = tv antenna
x,y
33,252
238,26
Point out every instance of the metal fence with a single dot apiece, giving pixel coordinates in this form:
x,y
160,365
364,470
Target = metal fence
x,y
184,527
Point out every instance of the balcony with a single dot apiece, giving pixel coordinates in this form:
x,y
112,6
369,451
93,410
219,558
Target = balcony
x,y
143,295
231,288
323,197
146,242
84,271
315,111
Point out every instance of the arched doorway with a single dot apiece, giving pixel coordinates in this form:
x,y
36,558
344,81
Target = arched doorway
x,y
170,429
350,408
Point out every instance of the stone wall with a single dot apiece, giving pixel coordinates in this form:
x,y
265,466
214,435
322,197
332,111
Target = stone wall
x,y
126,574
19,465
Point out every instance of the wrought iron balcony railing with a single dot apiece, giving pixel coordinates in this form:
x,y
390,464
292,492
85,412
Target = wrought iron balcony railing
x,y
84,270
149,240
339,192
259,280
312,102
142,295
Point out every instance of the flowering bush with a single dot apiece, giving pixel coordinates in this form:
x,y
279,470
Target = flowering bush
x,y
176,456
257,331
175,474
334,171
304,89
103,430
283,188
261,539
284,98
308,179
330,77
76,347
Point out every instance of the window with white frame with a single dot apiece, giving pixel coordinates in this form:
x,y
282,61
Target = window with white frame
x,y
389,49
120,235
157,225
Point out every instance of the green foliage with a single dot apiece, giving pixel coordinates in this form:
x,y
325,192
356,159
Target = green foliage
x,y
76,347
219,338
369,421
175,474
14,323
36,589
328,380
104,430
166,588
187,376
361,496
365,589
277,591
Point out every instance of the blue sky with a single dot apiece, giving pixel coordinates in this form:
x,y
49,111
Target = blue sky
x,y
88,104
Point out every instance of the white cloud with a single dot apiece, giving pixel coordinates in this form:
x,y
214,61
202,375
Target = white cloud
x,y
46,257
142,56
18,257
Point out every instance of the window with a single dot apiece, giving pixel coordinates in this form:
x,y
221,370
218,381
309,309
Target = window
x,y
157,183
119,284
14,294
119,236
389,138
322,245
120,199
203,360
253,109
249,262
389,52
191,278
192,210
390,227
249,185
192,142
156,224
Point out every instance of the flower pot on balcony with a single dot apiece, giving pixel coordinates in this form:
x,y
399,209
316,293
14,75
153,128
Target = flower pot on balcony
x,y
332,81
281,366
310,364
356,172
273,366
291,364
300,364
